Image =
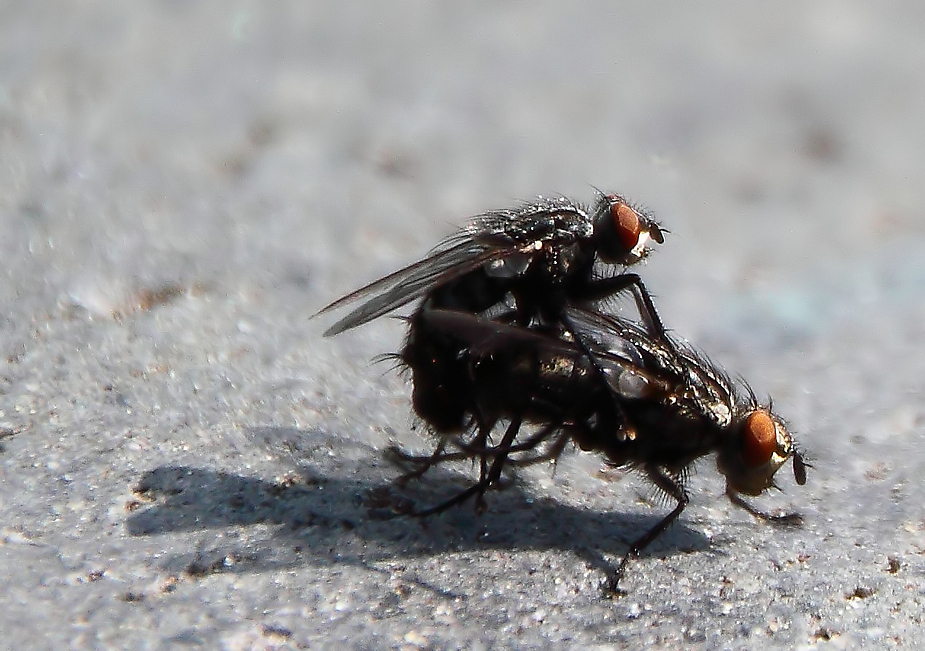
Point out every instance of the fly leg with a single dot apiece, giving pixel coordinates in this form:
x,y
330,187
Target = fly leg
x,y
788,519
421,464
403,459
529,444
607,287
481,444
550,454
487,479
673,487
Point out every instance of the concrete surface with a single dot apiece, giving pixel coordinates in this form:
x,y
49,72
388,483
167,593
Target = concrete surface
x,y
182,185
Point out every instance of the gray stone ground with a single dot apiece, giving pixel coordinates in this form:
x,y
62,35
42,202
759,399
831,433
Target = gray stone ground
x,y
182,185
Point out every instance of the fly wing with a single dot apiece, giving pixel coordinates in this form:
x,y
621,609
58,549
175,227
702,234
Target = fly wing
x,y
690,379
483,337
624,343
411,282
487,238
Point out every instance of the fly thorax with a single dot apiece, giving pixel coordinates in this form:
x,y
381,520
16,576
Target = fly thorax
x,y
562,259
708,403
510,266
559,367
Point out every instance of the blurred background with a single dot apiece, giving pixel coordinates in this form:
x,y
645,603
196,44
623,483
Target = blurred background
x,y
182,185
770,142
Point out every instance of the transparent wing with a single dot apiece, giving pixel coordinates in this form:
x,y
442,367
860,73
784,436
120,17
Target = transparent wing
x,y
607,333
411,282
487,238
691,379
484,337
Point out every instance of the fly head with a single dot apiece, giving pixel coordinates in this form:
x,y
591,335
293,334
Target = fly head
x,y
757,446
622,231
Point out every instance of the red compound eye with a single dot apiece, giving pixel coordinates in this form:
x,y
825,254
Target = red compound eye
x,y
626,223
759,439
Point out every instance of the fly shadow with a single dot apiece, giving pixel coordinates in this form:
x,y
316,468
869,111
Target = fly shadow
x,y
320,513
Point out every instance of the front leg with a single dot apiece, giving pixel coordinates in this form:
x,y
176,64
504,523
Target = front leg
x,y
602,288
787,519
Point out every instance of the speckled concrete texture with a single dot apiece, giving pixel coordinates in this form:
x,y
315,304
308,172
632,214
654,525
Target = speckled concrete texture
x,y
183,457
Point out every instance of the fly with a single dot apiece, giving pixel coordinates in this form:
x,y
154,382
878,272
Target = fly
x,y
544,254
661,408
525,266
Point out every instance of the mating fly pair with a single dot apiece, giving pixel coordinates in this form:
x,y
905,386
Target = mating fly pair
x,y
510,329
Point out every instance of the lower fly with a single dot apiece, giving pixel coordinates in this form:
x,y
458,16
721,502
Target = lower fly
x,y
662,407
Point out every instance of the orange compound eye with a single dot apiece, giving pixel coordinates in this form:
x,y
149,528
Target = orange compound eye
x,y
627,224
759,439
